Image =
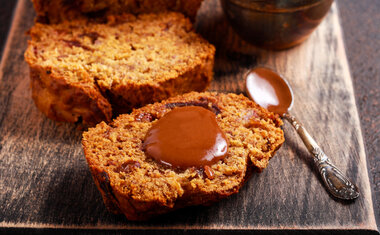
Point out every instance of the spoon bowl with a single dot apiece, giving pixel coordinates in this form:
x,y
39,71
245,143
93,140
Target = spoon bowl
x,y
271,91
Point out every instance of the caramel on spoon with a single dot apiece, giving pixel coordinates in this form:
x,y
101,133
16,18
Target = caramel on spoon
x,y
271,91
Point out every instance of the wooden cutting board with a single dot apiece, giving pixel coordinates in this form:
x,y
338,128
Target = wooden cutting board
x,y
45,181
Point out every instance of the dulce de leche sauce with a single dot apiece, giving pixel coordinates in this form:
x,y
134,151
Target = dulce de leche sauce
x,y
269,90
186,136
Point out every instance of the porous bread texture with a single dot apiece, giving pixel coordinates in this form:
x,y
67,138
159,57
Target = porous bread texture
x,y
81,70
57,11
140,187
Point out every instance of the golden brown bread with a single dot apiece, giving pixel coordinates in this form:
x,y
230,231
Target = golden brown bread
x,y
86,71
63,100
57,11
140,187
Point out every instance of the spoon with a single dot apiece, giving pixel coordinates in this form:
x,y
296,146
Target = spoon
x,y
271,91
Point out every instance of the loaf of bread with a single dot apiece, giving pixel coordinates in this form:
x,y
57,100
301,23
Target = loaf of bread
x,y
86,71
141,187
57,11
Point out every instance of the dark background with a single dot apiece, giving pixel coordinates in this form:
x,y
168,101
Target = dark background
x,y
361,28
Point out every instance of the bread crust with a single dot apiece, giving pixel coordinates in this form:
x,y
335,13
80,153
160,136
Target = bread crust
x,y
140,187
57,11
61,100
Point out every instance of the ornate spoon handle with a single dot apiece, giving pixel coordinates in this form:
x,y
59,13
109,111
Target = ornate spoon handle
x,y
335,181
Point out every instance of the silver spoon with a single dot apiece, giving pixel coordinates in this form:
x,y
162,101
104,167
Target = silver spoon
x,y
273,92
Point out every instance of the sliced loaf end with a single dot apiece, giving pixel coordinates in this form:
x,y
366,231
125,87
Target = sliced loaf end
x,y
125,63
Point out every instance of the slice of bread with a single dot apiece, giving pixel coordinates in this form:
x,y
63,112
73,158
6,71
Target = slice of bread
x,y
85,70
140,187
57,11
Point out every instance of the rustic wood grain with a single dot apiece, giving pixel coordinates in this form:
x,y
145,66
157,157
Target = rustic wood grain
x,y
6,18
46,183
362,37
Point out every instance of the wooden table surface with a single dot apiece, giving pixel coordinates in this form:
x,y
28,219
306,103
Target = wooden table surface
x,y
360,21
